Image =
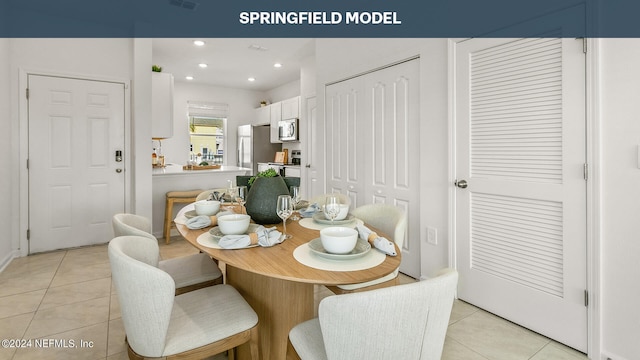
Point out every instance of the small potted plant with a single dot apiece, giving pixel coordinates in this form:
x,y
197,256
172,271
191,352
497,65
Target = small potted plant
x,y
156,68
263,103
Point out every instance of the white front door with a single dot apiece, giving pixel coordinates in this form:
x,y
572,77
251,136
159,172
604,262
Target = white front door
x,y
520,148
75,182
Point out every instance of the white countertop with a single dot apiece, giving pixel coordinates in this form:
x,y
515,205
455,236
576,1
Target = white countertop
x,y
175,169
279,164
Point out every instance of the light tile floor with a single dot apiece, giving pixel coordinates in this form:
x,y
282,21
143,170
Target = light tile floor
x,y
68,295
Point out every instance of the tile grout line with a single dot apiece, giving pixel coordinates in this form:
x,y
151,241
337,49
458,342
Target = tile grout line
x,y
41,300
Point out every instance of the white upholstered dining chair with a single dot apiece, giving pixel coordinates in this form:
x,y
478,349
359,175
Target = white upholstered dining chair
x,y
390,220
189,272
158,324
407,322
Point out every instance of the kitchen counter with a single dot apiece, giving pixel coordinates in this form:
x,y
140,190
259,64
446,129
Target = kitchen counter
x,y
174,178
175,169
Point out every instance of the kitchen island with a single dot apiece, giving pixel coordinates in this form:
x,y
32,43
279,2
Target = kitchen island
x,y
174,178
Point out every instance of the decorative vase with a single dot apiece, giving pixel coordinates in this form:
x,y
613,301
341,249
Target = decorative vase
x,y
262,199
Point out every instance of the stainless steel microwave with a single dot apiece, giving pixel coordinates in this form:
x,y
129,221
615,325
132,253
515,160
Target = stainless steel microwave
x,y
288,130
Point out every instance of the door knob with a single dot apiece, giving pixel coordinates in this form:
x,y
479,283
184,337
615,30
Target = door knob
x,y
118,171
462,184
308,165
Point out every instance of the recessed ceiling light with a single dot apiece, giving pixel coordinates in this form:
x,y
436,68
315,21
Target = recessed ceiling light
x,y
277,65
202,65
189,77
251,79
198,43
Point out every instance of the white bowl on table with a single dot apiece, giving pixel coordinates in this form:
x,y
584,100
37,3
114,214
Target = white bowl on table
x,y
234,224
342,213
338,239
207,207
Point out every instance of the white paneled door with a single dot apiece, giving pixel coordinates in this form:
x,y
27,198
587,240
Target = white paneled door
x,y
76,183
313,150
372,141
521,188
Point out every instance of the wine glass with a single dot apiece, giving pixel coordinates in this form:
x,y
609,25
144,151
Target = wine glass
x,y
295,196
332,207
241,197
284,208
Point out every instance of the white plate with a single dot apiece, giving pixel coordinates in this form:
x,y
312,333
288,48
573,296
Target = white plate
x,y
320,219
217,234
361,249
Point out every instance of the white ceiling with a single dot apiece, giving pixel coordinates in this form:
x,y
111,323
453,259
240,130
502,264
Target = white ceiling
x,y
232,61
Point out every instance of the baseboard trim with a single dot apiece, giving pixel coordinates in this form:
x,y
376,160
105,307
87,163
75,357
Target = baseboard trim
x,y
7,259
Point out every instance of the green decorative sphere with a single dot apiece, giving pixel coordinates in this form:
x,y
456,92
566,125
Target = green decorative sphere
x,y
263,199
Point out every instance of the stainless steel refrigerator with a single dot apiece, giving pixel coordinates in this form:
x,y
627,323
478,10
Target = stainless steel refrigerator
x,y
254,146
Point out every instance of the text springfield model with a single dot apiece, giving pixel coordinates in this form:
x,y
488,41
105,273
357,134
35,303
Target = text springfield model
x,y
318,18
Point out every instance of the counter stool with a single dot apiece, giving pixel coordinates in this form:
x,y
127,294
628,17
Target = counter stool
x,y
176,197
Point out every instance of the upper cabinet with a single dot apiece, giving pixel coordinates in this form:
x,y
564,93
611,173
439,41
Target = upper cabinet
x,y
161,105
291,108
276,116
272,114
263,116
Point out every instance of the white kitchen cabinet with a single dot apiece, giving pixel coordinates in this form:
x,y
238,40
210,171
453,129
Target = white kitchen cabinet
x,y
161,105
263,116
292,171
276,116
291,108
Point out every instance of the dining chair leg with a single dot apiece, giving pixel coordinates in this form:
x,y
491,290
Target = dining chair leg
x,y
168,211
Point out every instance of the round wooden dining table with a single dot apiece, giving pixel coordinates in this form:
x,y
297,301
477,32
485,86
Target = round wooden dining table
x,y
278,287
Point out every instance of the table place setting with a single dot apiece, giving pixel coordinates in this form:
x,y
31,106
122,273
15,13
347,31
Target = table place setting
x,y
255,235
345,249
316,218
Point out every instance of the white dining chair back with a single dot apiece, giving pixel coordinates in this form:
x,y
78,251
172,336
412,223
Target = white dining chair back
x,y
390,220
131,224
406,322
145,294
158,324
189,272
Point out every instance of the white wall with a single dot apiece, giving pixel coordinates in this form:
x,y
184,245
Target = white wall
x,y
620,191
242,104
284,92
6,192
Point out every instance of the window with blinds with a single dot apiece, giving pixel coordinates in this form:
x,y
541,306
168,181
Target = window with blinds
x,y
207,125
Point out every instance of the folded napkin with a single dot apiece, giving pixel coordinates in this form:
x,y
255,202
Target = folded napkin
x,y
202,221
376,241
264,237
309,211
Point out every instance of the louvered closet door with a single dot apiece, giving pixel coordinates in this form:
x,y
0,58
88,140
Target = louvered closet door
x,y
520,145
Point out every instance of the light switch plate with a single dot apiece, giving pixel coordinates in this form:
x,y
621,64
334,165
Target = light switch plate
x,y
432,236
